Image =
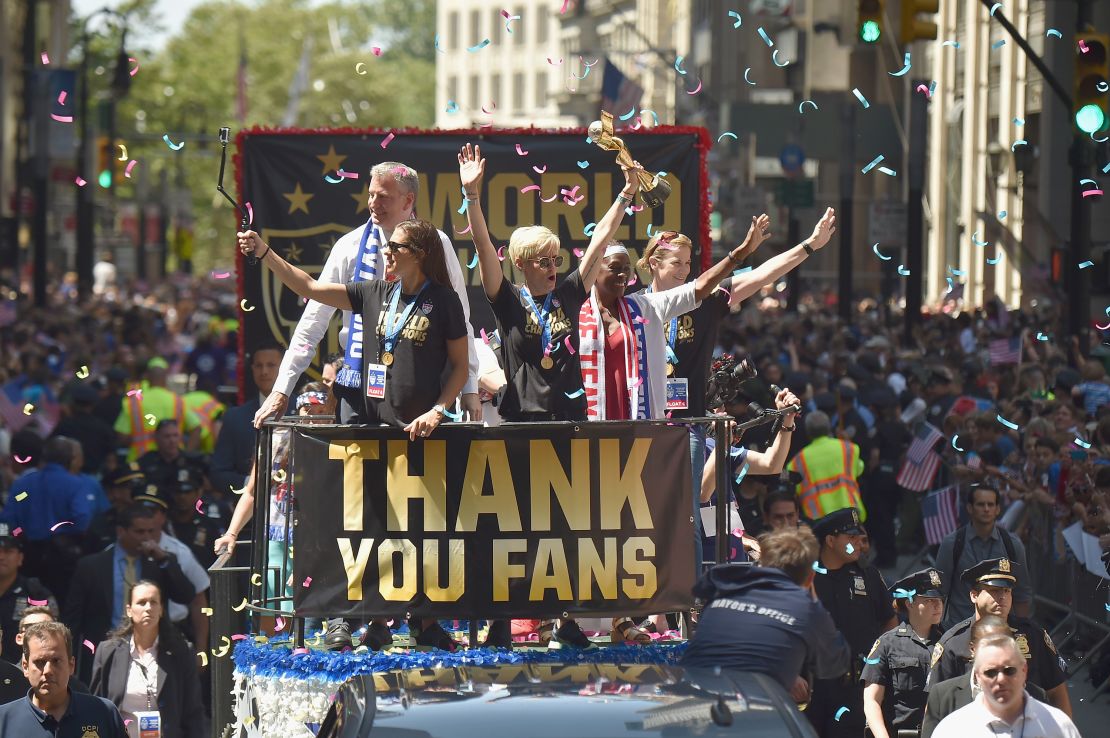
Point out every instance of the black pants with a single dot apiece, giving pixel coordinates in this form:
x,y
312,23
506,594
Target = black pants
x,y
829,695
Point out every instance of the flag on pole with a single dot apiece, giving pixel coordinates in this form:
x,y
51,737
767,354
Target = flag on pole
x,y
619,94
1005,351
923,441
241,82
940,514
919,477
298,85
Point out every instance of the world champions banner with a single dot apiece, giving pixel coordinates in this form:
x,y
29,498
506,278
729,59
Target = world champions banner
x,y
526,520
302,203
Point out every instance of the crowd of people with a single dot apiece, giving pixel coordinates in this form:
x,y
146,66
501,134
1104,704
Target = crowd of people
x,y
125,469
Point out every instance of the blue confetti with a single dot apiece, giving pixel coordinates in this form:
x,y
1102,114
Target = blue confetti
x,y
905,594
746,73
452,107
995,7
1053,32
739,20
956,272
873,163
654,117
481,45
1088,182
629,114
437,45
953,44
1019,142
775,59
1042,336
1007,423
840,713
583,164
954,439
902,72
589,229
861,98
473,261
975,239
577,393
171,144
328,178
849,549
819,569
999,43
872,662
743,473
995,260
1085,264
765,37
1002,214
950,285
1106,169
888,171
903,271
1081,443
1019,121
728,133
875,248
678,65
453,416
738,272
805,102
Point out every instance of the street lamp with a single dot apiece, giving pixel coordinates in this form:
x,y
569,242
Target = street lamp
x,y
121,83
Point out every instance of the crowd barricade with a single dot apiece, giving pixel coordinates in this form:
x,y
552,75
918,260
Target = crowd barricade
x,y
518,458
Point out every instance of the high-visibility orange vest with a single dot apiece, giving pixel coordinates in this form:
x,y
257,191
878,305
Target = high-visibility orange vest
x,y
208,409
828,469
142,433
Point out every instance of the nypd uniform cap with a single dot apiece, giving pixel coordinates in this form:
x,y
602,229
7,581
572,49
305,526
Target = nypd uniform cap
x,y
152,497
990,573
8,539
924,583
121,476
845,520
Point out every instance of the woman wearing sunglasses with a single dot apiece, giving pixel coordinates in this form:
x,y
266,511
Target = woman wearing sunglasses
x,y
538,319
418,321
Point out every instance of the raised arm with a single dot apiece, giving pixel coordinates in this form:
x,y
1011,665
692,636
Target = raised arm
x,y
472,169
747,284
708,280
607,227
298,280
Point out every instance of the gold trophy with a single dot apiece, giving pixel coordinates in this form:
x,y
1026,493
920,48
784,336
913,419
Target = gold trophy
x,y
653,190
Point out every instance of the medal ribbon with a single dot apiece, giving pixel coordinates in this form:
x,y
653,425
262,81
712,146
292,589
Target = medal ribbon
x,y
366,267
541,316
392,331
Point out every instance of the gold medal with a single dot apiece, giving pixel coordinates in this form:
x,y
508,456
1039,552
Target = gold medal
x,y
547,362
670,369
387,358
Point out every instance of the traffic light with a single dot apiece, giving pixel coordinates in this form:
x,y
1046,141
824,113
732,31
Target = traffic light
x,y
913,26
1092,75
870,20
106,162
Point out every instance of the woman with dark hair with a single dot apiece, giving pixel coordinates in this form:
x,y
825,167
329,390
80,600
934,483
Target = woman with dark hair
x,y
418,321
145,665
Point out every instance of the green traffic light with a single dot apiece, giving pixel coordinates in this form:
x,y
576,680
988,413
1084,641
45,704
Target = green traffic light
x,y
1090,118
105,178
870,32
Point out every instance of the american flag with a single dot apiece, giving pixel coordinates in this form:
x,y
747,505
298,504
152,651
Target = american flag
x,y
923,441
919,477
1005,350
618,93
940,514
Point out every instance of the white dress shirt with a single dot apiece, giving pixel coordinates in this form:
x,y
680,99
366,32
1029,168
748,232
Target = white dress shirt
x,y
192,570
1037,720
340,268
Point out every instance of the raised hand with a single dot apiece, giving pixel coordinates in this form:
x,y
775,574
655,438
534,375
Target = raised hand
x,y
631,181
824,229
251,244
758,232
472,168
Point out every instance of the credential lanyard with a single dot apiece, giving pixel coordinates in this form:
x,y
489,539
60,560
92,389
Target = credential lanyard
x,y
541,315
672,333
392,331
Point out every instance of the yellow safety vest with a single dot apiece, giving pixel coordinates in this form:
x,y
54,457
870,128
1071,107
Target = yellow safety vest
x,y
142,433
208,409
828,469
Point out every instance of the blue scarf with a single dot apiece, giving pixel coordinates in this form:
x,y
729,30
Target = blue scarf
x,y
366,267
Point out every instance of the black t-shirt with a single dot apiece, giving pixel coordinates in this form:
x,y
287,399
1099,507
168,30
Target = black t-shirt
x,y
531,388
415,379
695,336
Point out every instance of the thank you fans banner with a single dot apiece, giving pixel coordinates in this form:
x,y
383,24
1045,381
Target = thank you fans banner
x,y
308,188
517,521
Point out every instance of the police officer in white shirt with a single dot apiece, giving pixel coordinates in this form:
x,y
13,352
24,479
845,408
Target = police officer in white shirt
x,y
1004,707
392,197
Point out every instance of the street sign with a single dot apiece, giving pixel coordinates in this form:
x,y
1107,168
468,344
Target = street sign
x,y
795,193
886,223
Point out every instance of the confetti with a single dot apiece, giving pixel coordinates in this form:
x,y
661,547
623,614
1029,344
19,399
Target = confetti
x,y
151,420
55,527
199,505
872,662
278,476
819,569
241,606
28,409
570,348
840,713
464,231
888,171
1081,443
130,165
975,239
1007,423
1053,32
995,7
1002,214
696,90
746,73
307,582
805,102
83,373
17,531
478,46
452,107
1019,121
903,271
45,58
902,72
250,211
739,20
473,261
577,393
501,253
135,393
1091,193
905,594
1042,336
245,306
1019,142
849,549
923,88
1085,264
385,142
954,439
62,118
37,603
21,497
89,645
538,170
332,180
998,44
223,649
122,152
203,658
874,162
765,37
775,59
589,229
953,44
171,144
436,43
727,133
1083,46
62,97
743,473
578,252
492,105
861,98
21,460
995,260
583,164
80,182
359,68
134,71
677,67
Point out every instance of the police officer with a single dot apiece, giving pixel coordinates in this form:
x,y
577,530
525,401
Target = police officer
x,y
991,583
169,463
17,592
189,525
859,603
894,672
765,618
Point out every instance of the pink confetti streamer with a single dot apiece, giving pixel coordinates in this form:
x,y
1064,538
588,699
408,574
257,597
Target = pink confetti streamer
x,y
250,214
17,532
387,139
530,188
37,603
55,527
492,105
540,170
130,165
62,97
199,510
215,275
520,151
925,89
549,199
135,393
300,651
279,623
485,337
136,69
307,582
564,8
640,319
566,342
579,253
376,50
1091,193
80,182
19,460
89,645
464,231
347,175
62,118
238,637
696,90
501,253
45,58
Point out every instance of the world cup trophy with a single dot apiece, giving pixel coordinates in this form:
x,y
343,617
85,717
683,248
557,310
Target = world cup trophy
x,y
653,190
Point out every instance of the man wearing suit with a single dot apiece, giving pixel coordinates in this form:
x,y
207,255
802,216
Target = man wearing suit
x,y
96,595
234,453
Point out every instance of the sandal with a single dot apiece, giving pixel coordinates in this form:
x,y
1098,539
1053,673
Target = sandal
x,y
626,631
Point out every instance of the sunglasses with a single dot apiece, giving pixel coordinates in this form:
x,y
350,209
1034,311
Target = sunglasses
x,y
394,246
546,262
993,673
667,236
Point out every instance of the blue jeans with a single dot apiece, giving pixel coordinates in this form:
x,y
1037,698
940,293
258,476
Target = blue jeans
x,y
697,466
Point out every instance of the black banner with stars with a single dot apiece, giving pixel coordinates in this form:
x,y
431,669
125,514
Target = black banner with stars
x,y
302,204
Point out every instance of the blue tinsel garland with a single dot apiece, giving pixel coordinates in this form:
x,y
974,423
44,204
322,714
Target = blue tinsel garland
x,y
276,660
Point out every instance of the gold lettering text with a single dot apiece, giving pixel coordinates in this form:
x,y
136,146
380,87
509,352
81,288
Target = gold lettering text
x,y
503,571
431,488
548,475
502,502
353,453
388,552
617,485
355,564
